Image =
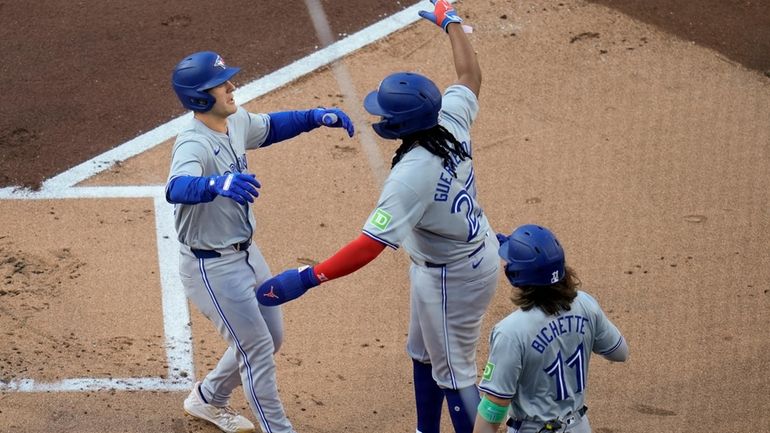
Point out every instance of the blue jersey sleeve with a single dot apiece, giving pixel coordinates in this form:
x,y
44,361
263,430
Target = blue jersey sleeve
x,y
288,124
189,190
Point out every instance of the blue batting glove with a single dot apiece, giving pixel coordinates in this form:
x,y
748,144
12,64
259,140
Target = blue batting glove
x,y
288,285
333,118
443,14
241,187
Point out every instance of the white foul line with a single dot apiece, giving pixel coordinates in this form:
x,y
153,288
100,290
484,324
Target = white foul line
x,y
89,384
132,191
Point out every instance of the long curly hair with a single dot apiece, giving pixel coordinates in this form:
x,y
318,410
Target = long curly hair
x,y
436,140
552,298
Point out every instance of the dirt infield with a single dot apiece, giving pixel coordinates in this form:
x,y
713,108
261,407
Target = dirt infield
x,y
738,29
82,77
646,153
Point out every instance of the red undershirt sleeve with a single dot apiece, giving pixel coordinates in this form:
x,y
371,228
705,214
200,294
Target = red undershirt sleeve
x,y
349,258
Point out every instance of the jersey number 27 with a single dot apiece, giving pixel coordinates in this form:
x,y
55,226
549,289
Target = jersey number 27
x,y
464,200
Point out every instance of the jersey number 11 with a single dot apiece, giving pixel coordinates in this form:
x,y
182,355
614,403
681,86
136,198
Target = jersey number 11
x,y
576,361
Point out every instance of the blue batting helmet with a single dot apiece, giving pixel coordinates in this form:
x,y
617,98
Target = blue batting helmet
x,y
407,103
198,73
533,255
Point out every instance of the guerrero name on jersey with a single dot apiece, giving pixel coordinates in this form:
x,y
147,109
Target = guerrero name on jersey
x,y
423,205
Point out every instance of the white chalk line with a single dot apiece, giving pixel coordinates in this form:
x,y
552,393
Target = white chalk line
x,y
176,318
176,315
345,83
91,384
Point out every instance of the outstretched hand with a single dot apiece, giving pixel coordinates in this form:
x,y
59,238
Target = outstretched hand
x,y
333,118
443,14
289,284
241,187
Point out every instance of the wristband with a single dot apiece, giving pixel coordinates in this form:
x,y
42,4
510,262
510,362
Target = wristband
x,y
491,411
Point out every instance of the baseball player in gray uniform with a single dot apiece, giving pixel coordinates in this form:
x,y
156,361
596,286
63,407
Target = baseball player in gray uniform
x,y
429,206
219,266
537,374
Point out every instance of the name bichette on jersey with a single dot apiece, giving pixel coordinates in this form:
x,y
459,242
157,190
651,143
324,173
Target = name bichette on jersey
x,y
558,327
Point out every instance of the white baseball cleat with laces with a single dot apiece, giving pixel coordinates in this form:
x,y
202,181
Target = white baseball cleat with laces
x,y
223,417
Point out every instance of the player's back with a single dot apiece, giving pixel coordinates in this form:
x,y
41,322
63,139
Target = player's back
x,y
554,355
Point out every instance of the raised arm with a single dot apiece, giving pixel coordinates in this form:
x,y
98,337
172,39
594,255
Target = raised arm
x,y
466,64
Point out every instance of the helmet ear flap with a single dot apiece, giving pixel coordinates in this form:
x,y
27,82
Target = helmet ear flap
x,y
203,102
512,275
382,128
407,103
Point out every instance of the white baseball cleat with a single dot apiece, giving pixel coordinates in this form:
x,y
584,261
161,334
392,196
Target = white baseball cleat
x,y
223,417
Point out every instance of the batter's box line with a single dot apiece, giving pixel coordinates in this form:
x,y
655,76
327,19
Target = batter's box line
x,y
76,192
95,384
176,314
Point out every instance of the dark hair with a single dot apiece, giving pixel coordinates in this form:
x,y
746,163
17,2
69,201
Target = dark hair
x,y
438,141
552,298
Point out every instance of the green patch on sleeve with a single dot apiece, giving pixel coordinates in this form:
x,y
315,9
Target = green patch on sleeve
x,y
488,370
381,219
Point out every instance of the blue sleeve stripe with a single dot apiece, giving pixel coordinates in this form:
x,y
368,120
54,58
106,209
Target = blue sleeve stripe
x,y
496,394
379,239
613,348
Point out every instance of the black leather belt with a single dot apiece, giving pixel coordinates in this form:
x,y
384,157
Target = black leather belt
x,y
582,411
210,254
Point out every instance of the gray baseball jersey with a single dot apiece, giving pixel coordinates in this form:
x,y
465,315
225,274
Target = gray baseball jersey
x,y
438,220
540,362
199,151
222,284
435,215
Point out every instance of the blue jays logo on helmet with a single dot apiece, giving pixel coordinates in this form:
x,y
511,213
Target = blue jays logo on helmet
x,y
196,74
533,256
406,102
219,63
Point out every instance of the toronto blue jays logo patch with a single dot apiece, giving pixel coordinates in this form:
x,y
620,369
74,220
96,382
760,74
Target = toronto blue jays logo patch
x,y
219,63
